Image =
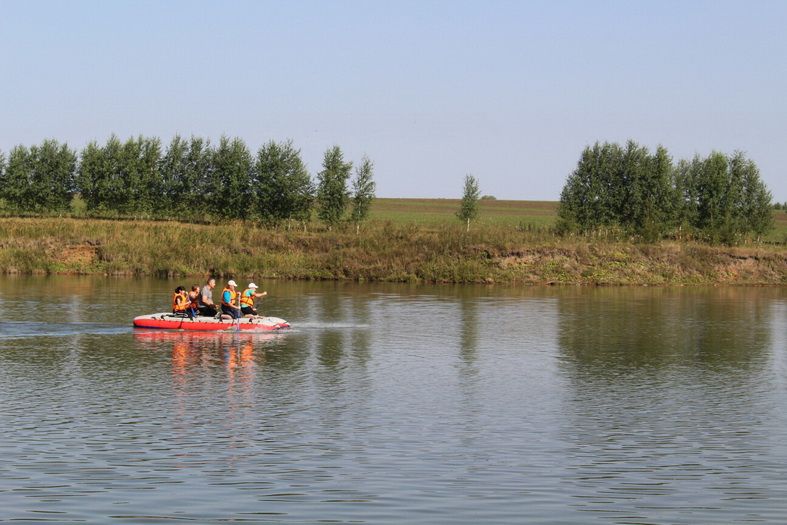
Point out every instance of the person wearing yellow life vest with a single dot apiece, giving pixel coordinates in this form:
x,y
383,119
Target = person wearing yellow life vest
x,y
180,302
247,300
229,300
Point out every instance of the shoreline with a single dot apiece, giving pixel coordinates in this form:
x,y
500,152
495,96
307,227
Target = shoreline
x,y
382,252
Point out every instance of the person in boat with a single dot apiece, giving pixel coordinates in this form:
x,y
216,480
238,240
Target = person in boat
x,y
194,301
181,303
229,300
247,300
206,306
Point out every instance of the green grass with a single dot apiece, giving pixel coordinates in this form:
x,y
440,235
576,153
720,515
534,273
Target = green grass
x,y
779,233
436,212
537,214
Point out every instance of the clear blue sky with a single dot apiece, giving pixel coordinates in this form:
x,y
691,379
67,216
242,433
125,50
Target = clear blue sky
x,y
430,90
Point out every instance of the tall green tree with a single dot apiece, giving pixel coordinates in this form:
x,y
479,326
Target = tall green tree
x,y
111,183
196,176
629,191
132,195
332,194
685,177
468,208
363,187
756,199
91,176
40,178
592,196
284,188
185,169
648,208
131,181
714,214
173,179
18,175
150,198
54,174
231,182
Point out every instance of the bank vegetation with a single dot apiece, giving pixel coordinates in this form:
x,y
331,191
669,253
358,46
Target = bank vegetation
x,y
383,251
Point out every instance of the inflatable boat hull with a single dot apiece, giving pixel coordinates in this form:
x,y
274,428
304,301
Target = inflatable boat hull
x,y
167,321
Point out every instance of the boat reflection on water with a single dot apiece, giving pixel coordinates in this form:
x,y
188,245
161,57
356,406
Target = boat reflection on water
x,y
193,351
202,360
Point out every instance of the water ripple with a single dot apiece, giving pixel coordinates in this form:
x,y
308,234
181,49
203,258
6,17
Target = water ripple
x,y
562,407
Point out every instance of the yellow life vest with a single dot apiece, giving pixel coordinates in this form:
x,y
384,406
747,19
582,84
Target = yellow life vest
x,y
233,296
180,301
246,298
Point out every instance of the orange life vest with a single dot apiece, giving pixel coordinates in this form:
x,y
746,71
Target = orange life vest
x,y
247,299
233,296
180,301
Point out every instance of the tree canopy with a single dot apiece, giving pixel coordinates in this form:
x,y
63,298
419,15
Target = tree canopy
x,y
719,198
188,179
284,188
332,194
39,178
363,191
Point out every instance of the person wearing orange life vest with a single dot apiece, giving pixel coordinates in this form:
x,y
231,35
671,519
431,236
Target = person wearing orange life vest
x,y
247,300
194,300
180,302
229,300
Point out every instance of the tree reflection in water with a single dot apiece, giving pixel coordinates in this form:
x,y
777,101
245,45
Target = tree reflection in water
x,y
667,390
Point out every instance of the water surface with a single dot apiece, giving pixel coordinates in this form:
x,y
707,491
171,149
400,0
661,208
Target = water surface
x,y
394,403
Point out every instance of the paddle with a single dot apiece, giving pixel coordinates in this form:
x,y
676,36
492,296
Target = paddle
x,y
240,313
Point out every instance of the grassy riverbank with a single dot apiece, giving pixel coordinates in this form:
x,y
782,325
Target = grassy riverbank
x,y
383,251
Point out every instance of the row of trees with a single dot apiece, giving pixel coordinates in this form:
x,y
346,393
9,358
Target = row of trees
x,y
719,197
190,179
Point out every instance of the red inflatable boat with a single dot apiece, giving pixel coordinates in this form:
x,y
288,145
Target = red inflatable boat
x,y
168,321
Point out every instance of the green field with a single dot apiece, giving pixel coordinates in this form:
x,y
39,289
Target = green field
x,y
522,214
434,212
513,215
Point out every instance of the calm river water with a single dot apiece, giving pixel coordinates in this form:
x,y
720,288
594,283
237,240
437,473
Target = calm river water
x,y
393,404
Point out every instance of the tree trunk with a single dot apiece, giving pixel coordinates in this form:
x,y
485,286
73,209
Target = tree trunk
x,y
468,225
